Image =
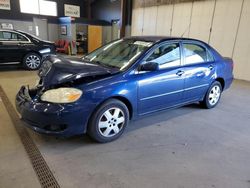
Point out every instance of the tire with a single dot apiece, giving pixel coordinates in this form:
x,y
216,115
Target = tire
x,y
109,121
32,61
213,95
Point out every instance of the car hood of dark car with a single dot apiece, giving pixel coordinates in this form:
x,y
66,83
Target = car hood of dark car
x,y
58,70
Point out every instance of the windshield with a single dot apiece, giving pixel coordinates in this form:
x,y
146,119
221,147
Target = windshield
x,y
118,54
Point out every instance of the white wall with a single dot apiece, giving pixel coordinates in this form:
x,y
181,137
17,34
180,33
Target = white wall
x,y
149,21
164,19
181,19
53,32
137,21
201,20
28,26
241,53
225,24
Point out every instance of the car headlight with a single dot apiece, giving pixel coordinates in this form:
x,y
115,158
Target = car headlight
x,y
62,95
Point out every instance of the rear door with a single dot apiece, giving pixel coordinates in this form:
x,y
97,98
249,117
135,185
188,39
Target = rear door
x,y
12,46
199,67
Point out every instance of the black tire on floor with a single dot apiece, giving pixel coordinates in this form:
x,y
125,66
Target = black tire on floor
x,y
207,102
99,124
32,61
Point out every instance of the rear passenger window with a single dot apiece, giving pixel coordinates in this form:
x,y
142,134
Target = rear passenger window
x,y
21,38
11,36
195,54
6,35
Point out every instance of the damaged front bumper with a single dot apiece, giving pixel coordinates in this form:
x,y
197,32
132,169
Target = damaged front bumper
x,y
51,118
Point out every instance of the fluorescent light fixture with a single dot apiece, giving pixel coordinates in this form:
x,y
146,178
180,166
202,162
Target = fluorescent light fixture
x,y
42,7
48,8
29,6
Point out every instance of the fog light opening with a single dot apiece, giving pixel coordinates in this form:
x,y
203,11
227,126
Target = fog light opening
x,y
56,127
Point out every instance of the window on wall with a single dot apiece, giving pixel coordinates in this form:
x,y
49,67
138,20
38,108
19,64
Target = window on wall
x,y
41,7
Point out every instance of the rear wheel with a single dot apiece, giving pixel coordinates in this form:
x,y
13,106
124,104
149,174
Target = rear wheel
x,y
32,61
213,95
108,121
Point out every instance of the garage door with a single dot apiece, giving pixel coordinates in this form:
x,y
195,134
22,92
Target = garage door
x,y
137,21
225,24
201,20
164,20
149,21
181,19
242,48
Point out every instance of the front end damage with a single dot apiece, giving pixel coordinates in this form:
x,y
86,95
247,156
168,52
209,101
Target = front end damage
x,y
61,119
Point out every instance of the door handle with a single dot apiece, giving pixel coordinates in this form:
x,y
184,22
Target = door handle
x,y
200,74
180,73
211,67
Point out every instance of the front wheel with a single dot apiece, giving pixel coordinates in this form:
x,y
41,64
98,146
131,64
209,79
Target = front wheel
x,y
213,95
32,61
108,121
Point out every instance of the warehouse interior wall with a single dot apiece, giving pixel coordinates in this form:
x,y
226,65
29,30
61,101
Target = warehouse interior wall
x,y
106,10
224,24
28,26
16,14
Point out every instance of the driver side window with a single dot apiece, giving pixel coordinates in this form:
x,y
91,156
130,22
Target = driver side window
x,y
166,55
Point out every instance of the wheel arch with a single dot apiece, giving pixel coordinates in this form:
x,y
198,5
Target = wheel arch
x,y
126,102
31,51
222,82
122,99
117,97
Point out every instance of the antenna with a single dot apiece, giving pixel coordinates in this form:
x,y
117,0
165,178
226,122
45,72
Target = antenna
x,y
186,30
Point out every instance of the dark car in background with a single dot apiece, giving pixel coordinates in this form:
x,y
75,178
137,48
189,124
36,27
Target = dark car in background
x,y
123,80
17,47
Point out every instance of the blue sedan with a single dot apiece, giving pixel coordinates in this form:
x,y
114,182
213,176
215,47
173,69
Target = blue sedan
x,y
123,80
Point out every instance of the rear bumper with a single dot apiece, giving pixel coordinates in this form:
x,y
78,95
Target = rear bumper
x,y
49,118
228,83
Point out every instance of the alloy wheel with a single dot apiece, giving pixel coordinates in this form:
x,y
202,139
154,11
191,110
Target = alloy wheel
x,y
214,95
111,122
33,62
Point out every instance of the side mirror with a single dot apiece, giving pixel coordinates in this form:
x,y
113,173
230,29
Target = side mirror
x,y
150,66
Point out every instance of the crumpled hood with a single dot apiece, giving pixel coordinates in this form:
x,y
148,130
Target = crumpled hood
x,y
57,70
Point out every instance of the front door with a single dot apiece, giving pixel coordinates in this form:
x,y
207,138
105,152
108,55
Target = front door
x,y
163,88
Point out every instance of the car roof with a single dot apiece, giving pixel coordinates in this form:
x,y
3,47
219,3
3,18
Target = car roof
x,y
155,39
13,30
8,30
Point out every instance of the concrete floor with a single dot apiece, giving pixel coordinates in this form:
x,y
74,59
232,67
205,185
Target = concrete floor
x,y
187,147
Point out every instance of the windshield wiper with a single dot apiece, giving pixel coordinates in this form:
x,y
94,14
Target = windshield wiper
x,y
106,65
